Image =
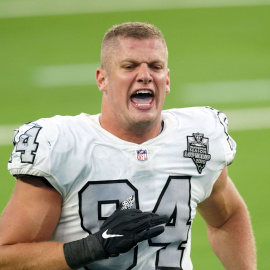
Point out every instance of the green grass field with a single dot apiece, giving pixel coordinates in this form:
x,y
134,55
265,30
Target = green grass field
x,y
206,45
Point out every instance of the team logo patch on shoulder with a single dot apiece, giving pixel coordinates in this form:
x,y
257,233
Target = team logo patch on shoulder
x,y
142,155
197,150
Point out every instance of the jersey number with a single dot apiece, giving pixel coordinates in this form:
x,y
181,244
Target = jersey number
x,y
26,145
97,197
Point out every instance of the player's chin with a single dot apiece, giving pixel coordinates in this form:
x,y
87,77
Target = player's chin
x,y
145,118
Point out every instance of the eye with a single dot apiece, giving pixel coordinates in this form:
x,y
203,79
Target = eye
x,y
156,67
128,66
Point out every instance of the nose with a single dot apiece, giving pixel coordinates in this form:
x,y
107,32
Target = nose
x,y
144,75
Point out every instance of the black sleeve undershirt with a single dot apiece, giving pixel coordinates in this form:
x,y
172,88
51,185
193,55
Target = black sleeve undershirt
x,y
26,177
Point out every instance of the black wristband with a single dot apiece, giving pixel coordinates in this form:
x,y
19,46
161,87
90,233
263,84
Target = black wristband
x,y
84,251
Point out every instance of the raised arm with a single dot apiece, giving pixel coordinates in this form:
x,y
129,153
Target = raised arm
x,y
26,226
228,226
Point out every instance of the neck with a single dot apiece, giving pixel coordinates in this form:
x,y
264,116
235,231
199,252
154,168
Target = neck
x,y
136,133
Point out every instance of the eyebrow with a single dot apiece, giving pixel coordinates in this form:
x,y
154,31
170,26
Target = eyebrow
x,y
139,62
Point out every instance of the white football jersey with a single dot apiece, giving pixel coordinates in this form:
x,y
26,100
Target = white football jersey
x,y
94,171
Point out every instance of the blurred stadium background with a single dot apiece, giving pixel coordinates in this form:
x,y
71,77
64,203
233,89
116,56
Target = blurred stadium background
x,y
219,56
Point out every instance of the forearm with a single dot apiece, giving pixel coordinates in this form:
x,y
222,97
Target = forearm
x,y
233,242
42,255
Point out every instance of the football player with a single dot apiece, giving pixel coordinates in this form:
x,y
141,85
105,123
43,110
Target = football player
x,y
127,181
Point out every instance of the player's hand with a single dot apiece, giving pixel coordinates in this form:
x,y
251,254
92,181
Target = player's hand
x,y
124,229
120,232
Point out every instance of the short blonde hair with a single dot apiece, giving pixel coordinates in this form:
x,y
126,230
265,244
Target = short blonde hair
x,y
137,30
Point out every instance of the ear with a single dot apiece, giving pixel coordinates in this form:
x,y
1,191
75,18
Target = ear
x,y
168,82
101,78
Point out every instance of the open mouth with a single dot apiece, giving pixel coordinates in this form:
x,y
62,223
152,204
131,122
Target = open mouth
x,y
142,98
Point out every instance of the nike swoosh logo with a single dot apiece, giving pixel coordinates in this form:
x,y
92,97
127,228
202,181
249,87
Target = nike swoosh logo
x,y
105,235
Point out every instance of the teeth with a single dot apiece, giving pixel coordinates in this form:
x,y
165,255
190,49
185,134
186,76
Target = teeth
x,y
142,104
144,92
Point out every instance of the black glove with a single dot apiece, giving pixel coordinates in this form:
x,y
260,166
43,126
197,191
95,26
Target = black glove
x,y
120,232
125,229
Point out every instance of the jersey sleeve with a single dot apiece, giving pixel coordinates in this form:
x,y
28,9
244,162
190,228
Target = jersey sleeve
x,y
223,147
227,142
31,155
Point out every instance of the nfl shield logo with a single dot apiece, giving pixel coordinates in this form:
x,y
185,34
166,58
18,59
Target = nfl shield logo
x,y
141,155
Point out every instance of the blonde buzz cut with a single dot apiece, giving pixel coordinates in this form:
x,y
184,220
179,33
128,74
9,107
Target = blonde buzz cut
x,y
136,30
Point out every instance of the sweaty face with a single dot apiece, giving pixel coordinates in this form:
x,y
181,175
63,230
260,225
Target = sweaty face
x,y
135,82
